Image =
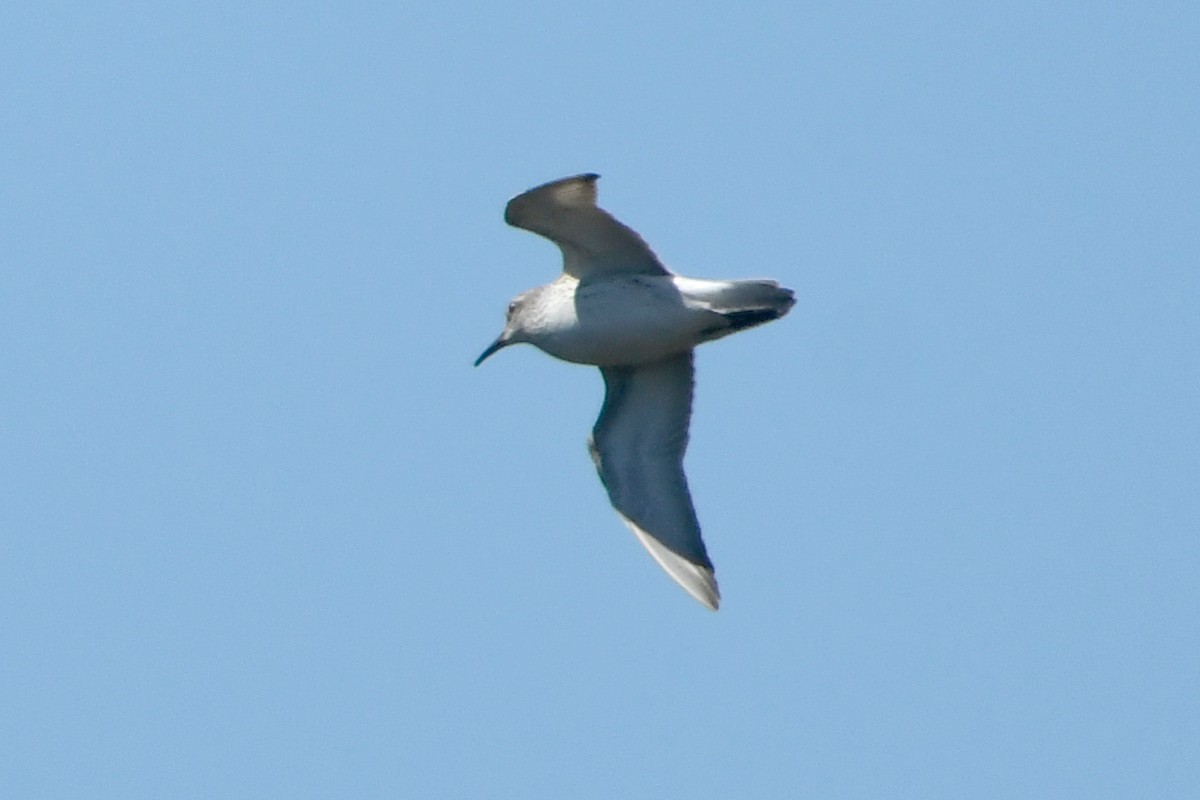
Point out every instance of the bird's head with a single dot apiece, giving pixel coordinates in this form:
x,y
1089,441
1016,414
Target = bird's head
x,y
514,328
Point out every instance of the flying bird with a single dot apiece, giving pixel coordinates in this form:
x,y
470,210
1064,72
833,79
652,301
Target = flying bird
x,y
618,308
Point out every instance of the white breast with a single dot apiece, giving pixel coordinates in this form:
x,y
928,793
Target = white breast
x,y
633,319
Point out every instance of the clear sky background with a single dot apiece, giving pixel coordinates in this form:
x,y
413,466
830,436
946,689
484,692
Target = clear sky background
x,y
264,532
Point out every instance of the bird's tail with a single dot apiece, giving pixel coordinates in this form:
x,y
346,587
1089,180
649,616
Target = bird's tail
x,y
742,304
750,303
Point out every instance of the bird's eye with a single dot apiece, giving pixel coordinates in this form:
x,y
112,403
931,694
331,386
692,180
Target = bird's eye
x,y
512,307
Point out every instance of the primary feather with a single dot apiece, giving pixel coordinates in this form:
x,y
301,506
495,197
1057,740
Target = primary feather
x,y
591,240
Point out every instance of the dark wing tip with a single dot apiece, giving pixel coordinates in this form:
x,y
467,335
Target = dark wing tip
x,y
577,190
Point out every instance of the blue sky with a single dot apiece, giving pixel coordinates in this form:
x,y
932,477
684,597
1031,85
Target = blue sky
x,y
266,533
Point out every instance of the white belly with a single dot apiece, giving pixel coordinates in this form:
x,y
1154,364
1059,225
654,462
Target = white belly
x,y
628,320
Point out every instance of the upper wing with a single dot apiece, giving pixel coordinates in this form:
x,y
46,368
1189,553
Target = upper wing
x,y
638,446
591,240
